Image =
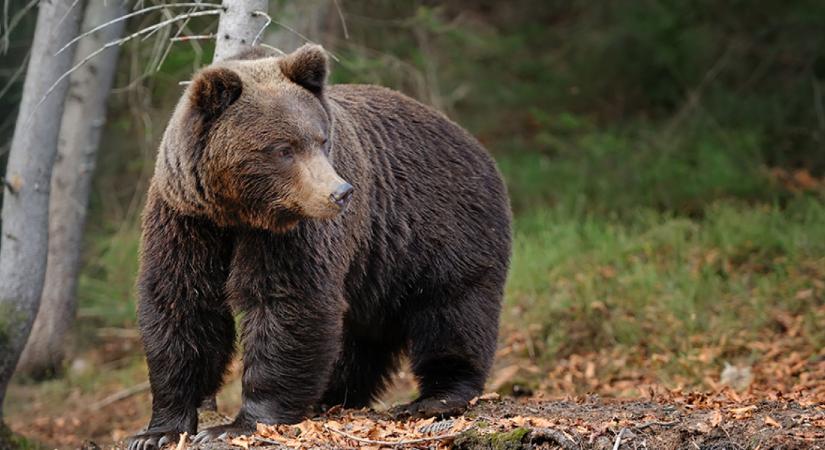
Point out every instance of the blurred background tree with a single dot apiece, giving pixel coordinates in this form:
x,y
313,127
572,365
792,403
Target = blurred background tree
x,y
664,159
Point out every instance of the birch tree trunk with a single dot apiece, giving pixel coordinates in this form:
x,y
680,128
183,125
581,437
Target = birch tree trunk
x,y
238,25
83,118
24,241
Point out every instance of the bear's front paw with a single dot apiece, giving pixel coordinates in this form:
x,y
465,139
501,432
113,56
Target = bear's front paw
x,y
154,439
438,406
223,432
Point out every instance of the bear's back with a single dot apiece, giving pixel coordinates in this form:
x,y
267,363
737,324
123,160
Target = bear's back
x,y
437,199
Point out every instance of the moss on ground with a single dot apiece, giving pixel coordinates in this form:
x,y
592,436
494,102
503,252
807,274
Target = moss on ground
x,y
473,440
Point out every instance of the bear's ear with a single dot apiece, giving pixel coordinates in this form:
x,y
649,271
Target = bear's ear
x,y
214,89
307,67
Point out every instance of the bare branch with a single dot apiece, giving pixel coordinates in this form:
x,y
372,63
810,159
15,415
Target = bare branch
x,y
5,15
120,395
68,11
17,73
619,439
292,30
4,43
341,16
137,13
168,49
200,37
122,40
261,31
273,48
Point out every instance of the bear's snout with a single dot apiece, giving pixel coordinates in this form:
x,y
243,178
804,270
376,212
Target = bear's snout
x,y
342,195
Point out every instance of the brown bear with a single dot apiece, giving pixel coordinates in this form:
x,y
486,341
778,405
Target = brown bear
x,y
348,225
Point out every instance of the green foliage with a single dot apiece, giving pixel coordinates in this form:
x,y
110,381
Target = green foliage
x,y
593,283
615,172
107,284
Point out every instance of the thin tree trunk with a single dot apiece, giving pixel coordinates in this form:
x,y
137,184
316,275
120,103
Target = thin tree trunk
x,y
238,26
25,213
80,129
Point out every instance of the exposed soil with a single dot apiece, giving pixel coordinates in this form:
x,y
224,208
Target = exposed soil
x,y
679,422
782,406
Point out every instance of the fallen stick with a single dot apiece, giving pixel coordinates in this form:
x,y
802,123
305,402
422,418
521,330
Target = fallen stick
x,y
182,441
120,395
618,439
654,423
392,443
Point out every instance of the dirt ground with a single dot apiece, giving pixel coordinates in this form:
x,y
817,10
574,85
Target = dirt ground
x,y
562,424
665,421
107,399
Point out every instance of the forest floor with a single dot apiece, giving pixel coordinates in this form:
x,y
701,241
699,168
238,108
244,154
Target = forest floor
x,y
666,420
109,403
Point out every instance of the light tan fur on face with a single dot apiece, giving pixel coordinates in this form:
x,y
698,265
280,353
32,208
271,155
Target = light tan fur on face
x,y
235,179
317,181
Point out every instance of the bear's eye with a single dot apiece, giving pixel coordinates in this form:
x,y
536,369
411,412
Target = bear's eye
x,y
325,146
281,151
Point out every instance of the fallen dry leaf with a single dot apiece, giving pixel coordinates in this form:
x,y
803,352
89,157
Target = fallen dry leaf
x,y
770,421
744,411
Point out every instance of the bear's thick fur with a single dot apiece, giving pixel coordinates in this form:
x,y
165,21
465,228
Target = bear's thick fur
x,y
247,213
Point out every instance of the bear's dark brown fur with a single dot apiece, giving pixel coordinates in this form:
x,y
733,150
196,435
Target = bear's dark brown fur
x,y
247,212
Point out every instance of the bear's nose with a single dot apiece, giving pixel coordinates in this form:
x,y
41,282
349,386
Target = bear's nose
x,y
342,195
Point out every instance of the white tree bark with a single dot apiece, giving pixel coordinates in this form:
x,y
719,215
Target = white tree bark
x,y
83,119
24,241
238,25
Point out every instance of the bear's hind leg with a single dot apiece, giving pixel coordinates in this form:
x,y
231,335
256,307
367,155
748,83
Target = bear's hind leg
x,y
361,372
452,345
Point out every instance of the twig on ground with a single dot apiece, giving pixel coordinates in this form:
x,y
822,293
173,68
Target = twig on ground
x,y
656,423
182,441
392,443
267,441
618,442
120,395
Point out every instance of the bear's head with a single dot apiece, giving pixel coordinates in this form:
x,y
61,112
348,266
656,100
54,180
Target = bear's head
x,y
251,142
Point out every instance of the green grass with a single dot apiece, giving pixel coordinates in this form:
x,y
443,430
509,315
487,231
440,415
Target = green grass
x,y
106,291
655,279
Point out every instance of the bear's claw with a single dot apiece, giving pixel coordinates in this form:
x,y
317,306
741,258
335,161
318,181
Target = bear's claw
x,y
221,433
151,440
